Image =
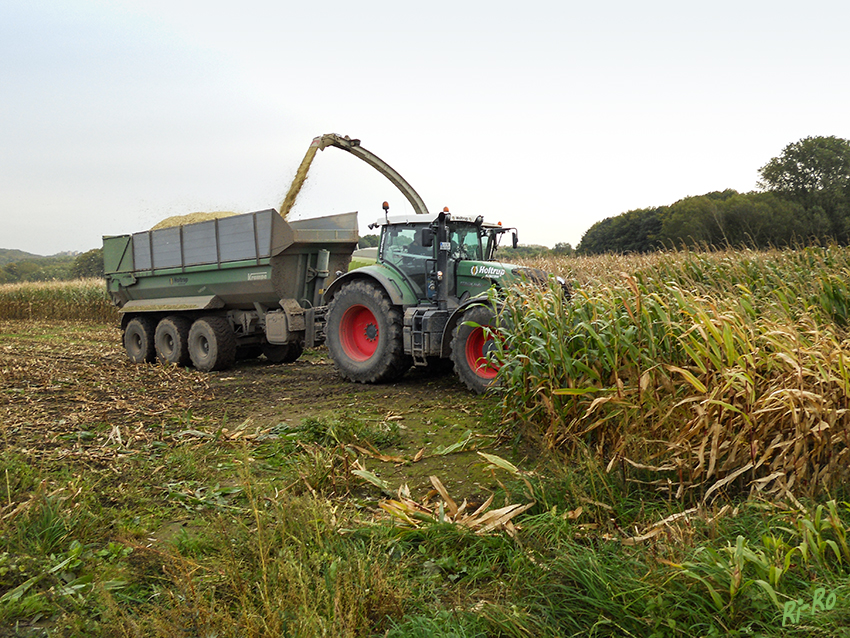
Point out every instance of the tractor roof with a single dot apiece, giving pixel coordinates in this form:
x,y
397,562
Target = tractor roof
x,y
413,218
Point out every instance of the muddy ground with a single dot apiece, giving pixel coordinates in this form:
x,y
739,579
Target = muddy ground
x,y
70,398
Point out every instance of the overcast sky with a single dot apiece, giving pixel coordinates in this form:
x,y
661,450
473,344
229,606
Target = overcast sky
x,y
548,116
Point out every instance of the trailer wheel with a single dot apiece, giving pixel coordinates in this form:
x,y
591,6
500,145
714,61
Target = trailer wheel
x,y
212,344
139,339
286,353
364,334
470,346
171,340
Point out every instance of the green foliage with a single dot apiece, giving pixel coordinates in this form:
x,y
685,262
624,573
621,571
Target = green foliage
x,y
55,268
634,231
8,256
563,248
88,265
807,199
815,173
720,219
523,251
369,241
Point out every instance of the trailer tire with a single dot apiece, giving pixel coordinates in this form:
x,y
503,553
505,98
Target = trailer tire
x,y
470,345
171,340
364,334
139,339
286,353
212,344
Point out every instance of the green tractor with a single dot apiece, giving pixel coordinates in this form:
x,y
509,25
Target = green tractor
x,y
424,302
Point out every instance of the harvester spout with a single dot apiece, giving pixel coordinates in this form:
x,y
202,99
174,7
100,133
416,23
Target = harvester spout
x,y
353,147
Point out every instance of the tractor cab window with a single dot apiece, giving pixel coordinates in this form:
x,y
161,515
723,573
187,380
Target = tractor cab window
x,y
466,242
401,246
492,242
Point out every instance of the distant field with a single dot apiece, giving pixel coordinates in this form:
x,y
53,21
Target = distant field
x,y
79,300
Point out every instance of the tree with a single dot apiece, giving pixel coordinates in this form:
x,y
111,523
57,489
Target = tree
x,y
563,248
694,221
89,264
368,241
633,232
814,172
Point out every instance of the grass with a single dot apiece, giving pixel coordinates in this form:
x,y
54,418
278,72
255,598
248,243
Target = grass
x,y
636,406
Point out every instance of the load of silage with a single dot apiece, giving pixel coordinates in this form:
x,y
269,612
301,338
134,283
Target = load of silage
x,y
191,218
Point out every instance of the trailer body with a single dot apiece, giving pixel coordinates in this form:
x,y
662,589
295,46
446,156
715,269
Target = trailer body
x,y
262,274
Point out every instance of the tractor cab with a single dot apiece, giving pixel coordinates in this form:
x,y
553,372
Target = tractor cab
x,y
412,246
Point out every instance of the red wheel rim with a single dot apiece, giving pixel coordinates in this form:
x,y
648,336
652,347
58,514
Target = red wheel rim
x,y
476,354
358,333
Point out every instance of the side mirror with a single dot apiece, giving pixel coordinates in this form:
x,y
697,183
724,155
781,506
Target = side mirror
x,y
427,237
515,239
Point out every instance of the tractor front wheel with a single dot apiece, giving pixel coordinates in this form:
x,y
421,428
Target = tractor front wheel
x,y
364,334
471,343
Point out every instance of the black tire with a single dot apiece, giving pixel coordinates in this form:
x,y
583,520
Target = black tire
x,y
139,339
364,334
286,353
470,345
171,340
212,344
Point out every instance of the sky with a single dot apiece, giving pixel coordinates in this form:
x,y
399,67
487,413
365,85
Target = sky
x,y
548,116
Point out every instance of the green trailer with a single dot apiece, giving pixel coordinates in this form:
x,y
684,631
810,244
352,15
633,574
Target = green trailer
x,y
235,287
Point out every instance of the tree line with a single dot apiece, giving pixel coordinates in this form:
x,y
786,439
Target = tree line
x,y
55,268
802,196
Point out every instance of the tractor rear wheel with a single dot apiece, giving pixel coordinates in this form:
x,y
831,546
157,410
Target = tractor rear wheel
x,y
212,344
171,340
139,339
470,346
286,353
364,334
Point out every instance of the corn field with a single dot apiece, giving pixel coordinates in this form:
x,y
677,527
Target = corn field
x,y
80,300
692,373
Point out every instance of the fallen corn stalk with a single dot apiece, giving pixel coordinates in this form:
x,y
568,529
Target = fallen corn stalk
x,y
482,520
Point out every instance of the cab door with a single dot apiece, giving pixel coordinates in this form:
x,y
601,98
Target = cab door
x,y
401,248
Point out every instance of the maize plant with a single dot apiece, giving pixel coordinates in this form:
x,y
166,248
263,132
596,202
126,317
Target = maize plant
x,y
697,374
79,300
